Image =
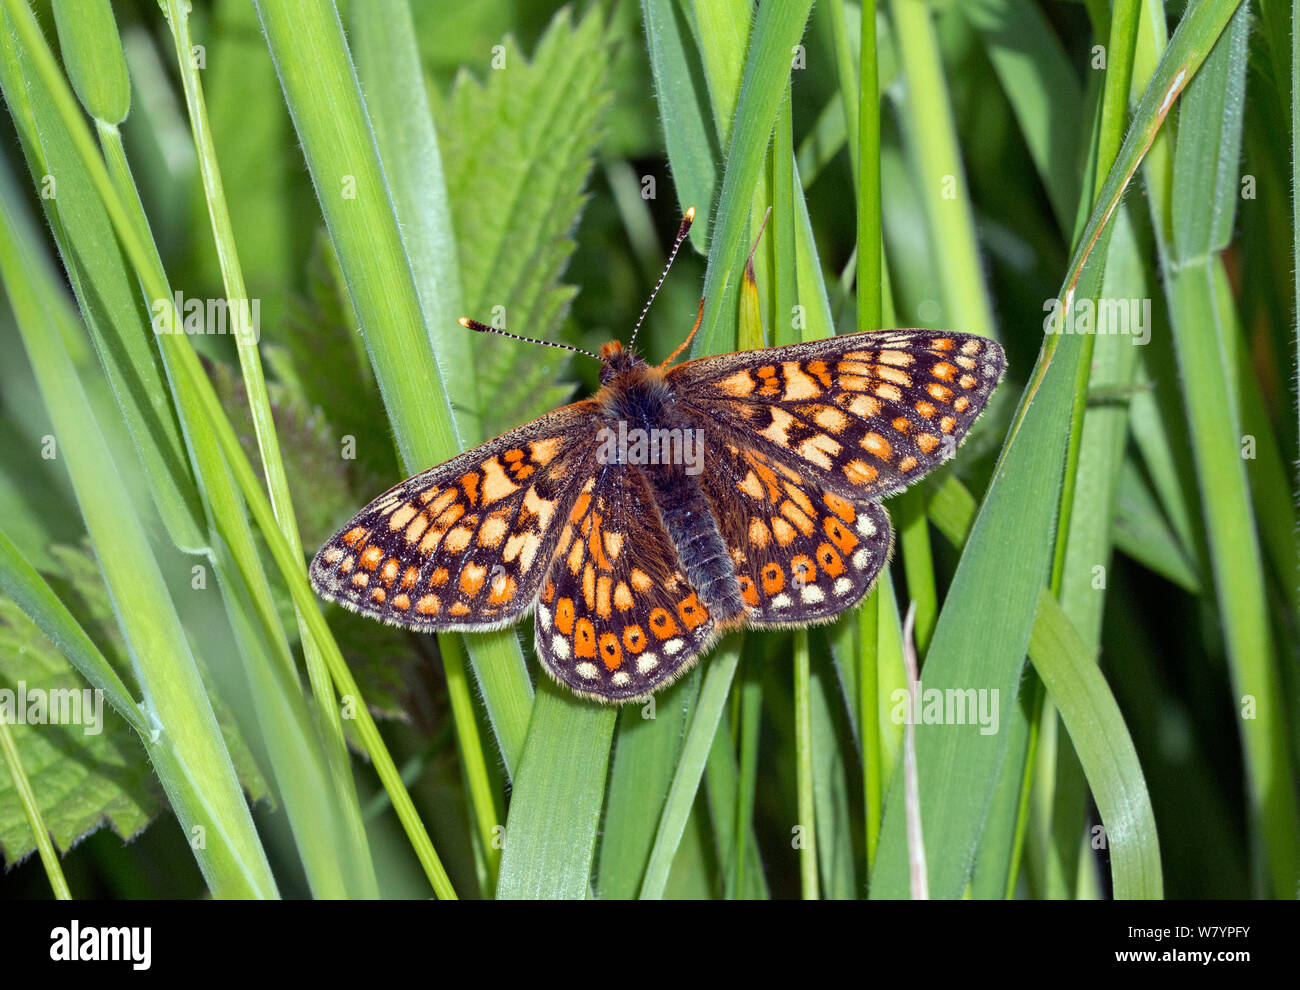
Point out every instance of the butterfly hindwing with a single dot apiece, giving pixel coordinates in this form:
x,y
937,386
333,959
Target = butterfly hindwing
x,y
464,544
864,414
801,553
617,617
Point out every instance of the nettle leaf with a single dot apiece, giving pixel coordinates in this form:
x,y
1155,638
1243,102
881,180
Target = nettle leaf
x,y
82,778
517,151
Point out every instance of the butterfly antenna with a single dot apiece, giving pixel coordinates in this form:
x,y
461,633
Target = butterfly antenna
x,y
465,321
682,231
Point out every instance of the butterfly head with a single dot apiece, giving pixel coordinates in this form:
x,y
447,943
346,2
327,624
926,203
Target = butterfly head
x,y
615,361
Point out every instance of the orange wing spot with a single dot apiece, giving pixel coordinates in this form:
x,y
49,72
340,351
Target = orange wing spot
x,y
773,579
622,596
470,484
830,418
907,463
348,561
378,595
409,577
864,406
759,535
903,425
859,472
589,587
857,368
597,547
820,371
691,611
575,557
401,517
798,517
416,529
427,495
503,590
544,451
962,403
401,602
611,654
855,383
874,443
355,535
942,344
740,384
947,423
966,381
766,475
496,485
831,562
844,540
751,486
943,371
564,616
971,347
925,409
939,392
783,532
471,579
798,385
459,608
800,499
819,448
640,580
634,639
894,375
449,516
803,568
603,587
389,573
360,579
839,506
458,539
613,544
438,578
515,454
428,605
371,556
441,502
662,624
580,507
927,442
900,359
748,593
548,592
584,639
493,530
890,393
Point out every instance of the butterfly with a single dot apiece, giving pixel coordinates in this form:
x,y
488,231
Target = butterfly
x,y
676,504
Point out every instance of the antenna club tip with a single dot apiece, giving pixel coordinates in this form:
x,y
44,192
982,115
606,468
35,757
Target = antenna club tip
x,y
464,321
690,214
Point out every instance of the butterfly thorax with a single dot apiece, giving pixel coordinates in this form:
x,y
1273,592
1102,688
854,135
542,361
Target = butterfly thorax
x,y
637,401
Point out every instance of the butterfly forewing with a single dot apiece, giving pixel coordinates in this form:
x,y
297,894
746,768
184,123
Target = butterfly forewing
x,y
464,544
865,414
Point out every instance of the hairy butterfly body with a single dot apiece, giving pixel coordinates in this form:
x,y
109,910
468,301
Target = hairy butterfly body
x,y
749,496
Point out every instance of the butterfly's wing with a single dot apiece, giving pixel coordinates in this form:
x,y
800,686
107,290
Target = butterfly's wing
x,y
464,545
801,552
862,414
617,617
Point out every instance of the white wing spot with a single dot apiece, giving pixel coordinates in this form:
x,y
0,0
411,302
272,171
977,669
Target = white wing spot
x,y
646,662
544,614
674,646
621,678
812,594
781,601
865,526
560,647
843,586
860,559
586,669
